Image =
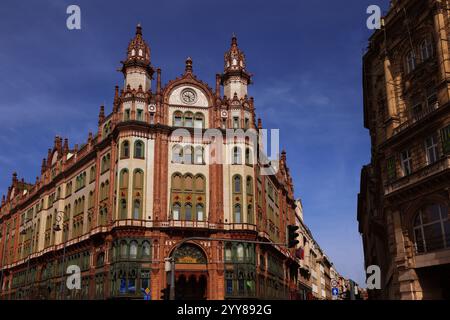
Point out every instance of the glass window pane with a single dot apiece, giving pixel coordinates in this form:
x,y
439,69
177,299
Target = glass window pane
x,y
419,240
131,285
433,237
188,212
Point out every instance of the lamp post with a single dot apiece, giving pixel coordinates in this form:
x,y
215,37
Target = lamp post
x,y
57,228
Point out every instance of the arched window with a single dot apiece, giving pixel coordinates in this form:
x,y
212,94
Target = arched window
x,y
198,155
139,149
200,212
188,181
100,259
237,155
125,150
228,255
249,185
137,209
145,249
248,157
199,120
188,155
138,179
91,200
432,228
106,192
237,214
237,184
177,154
250,214
92,174
410,61
178,119
240,252
177,181
188,211
176,211
426,49
133,249
123,249
102,191
199,183
123,208
124,178
188,119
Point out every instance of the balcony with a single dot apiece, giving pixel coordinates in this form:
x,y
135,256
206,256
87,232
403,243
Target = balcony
x,y
418,176
417,117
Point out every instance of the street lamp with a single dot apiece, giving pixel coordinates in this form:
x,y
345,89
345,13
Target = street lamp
x,y
57,228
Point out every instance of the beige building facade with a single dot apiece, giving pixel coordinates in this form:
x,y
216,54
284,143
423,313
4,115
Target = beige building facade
x,y
403,205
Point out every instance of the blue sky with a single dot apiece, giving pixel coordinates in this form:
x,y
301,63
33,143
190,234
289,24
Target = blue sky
x,y
306,61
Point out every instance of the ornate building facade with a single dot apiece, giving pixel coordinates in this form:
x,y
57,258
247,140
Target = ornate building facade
x,y
403,205
119,204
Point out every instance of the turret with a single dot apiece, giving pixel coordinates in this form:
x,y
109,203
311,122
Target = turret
x,y
137,69
235,78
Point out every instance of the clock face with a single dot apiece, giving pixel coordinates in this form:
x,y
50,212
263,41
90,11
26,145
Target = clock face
x,y
188,96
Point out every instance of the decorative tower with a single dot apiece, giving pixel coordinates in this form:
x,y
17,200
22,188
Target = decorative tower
x,y
137,69
235,78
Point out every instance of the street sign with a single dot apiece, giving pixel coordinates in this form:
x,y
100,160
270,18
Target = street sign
x,y
335,291
334,283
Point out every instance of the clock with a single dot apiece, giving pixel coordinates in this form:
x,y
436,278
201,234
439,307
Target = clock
x,y
188,96
152,108
224,114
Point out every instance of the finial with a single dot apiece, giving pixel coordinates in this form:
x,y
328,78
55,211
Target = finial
x,y
259,123
66,146
233,39
14,176
138,29
189,64
101,114
44,165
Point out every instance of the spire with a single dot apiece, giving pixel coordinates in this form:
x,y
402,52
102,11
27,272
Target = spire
x,y
43,166
66,146
234,57
137,68
139,29
188,68
14,177
138,52
235,77
101,115
158,81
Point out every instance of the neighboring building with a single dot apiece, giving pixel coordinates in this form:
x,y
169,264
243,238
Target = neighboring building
x,y
316,269
403,205
119,204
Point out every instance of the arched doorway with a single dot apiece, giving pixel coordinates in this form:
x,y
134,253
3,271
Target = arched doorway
x,y
191,276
